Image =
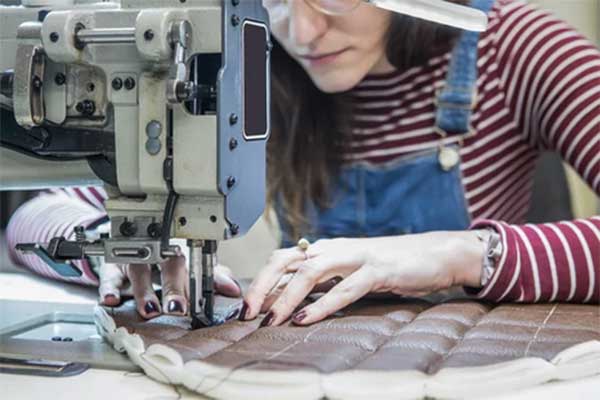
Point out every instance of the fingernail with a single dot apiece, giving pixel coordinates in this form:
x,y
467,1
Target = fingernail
x,y
244,311
267,320
150,308
299,316
110,298
175,307
232,314
238,284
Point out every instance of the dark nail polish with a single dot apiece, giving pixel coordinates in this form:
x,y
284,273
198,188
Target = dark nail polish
x,y
238,284
150,308
175,307
299,316
244,311
234,313
267,320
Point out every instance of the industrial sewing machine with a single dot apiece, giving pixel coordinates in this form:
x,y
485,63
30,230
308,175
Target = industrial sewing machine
x,y
166,103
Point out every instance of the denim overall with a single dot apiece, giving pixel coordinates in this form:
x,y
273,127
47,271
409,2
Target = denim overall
x,y
413,193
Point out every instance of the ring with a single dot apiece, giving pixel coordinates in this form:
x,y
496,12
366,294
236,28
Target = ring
x,y
303,246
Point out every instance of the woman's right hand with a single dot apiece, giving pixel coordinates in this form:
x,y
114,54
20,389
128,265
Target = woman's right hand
x,y
118,280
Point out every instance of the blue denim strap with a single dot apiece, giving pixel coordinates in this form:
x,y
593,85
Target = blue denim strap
x,y
456,101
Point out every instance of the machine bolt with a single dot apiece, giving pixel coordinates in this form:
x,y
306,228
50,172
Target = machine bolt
x,y
235,20
86,107
230,182
154,230
235,229
233,144
129,83
60,79
182,221
149,35
233,119
117,83
213,218
54,37
128,228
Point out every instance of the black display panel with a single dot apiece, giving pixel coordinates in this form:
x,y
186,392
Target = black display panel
x,y
256,89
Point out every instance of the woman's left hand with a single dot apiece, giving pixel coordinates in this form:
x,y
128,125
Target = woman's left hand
x,y
410,265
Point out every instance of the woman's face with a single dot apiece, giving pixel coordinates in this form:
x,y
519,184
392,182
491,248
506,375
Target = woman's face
x,y
337,51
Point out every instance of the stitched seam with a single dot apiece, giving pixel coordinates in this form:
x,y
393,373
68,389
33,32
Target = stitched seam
x,y
431,370
371,353
539,330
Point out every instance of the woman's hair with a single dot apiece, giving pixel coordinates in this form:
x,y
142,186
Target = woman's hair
x,y
310,128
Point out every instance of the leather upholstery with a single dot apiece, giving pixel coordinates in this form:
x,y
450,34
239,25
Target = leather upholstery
x,y
400,334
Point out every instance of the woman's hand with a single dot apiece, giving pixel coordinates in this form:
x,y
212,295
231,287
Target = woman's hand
x,y
136,279
411,265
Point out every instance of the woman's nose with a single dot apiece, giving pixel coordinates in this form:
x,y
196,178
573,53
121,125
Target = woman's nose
x,y
306,24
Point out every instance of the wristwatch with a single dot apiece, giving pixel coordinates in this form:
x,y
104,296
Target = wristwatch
x,y
492,252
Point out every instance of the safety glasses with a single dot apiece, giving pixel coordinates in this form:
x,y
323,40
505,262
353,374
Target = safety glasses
x,y
439,11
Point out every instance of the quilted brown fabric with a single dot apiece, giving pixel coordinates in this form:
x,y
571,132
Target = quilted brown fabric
x,y
380,335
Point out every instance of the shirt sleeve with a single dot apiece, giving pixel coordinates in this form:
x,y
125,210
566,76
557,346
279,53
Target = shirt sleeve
x,y
546,262
55,213
550,75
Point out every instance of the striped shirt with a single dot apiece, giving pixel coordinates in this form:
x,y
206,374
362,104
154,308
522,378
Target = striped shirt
x,y
538,89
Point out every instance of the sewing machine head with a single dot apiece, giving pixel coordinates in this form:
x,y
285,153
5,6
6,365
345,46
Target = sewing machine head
x,y
166,103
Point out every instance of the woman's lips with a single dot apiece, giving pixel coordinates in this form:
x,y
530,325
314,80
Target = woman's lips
x,y
315,60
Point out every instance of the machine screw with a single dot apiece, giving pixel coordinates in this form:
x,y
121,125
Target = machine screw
x,y
60,79
117,83
233,143
182,221
230,182
235,229
154,230
37,82
86,107
54,37
213,218
233,119
79,233
149,35
129,83
128,228
235,20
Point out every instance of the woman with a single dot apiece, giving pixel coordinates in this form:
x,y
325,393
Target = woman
x,y
403,150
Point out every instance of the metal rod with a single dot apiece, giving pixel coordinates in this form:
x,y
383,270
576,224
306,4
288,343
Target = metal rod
x,y
195,271
106,35
209,261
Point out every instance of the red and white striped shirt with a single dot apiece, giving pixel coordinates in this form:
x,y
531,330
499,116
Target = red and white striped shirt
x,y
538,89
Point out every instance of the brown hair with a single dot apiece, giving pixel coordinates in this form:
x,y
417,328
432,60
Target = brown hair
x,y
309,128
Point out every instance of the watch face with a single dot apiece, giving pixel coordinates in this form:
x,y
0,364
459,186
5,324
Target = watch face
x,y
256,80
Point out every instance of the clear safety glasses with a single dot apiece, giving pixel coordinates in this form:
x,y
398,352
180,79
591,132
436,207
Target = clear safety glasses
x,y
439,11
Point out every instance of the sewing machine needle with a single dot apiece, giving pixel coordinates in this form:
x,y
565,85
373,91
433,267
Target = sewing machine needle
x,y
442,12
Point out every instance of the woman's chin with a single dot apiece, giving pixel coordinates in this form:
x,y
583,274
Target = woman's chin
x,y
334,81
